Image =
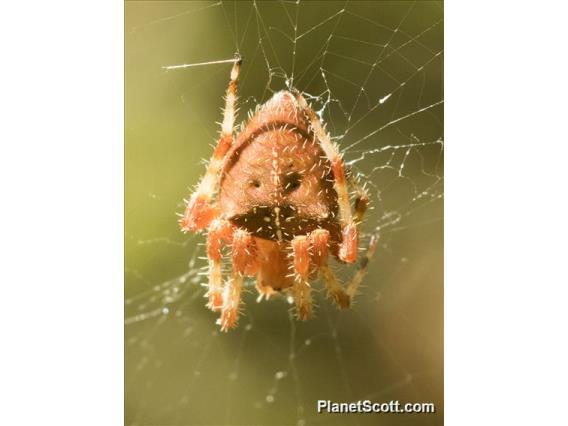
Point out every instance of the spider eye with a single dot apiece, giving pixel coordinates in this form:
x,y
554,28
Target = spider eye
x,y
255,183
292,182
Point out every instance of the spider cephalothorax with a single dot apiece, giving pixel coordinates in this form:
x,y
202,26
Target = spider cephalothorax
x,y
282,204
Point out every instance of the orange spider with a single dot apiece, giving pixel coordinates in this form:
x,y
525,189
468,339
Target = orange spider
x,y
282,205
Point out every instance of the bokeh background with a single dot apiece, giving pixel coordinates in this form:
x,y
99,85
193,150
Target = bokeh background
x,y
375,72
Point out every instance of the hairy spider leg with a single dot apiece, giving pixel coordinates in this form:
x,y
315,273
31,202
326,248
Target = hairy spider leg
x,y
342,297
301,288
220,233
361,199
200,212
349,234
244,262
319,243
353,285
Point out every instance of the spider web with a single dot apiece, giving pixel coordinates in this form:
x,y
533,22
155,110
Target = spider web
x,y
373,72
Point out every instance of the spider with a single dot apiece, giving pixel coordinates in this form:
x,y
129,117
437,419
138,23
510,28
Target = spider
x,y
277,196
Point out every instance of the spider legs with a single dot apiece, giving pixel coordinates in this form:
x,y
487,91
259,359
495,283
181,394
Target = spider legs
x,y
301,287
309,250
244,263
314,249
353,285
200,211
320,251
227,298
310,255
220,233
343,297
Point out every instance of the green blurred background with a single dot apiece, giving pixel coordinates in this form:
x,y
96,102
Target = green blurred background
x,y
347,55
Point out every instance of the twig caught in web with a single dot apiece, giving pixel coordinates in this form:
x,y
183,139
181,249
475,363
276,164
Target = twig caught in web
x,y
198,64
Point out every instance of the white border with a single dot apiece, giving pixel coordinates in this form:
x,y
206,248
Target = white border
x,y
506,216
61,234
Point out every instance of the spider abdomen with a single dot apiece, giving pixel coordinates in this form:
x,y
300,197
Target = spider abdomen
x,y
277,182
